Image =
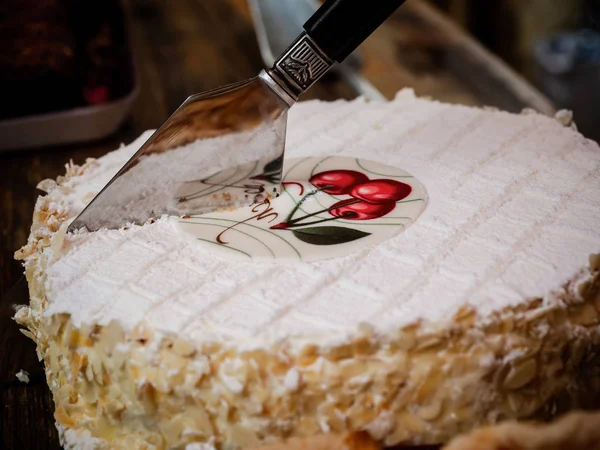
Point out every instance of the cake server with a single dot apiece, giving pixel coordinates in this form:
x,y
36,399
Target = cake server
x,y
224,148
278,22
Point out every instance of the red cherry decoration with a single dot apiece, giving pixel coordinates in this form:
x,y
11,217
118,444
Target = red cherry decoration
x,y
338,182
360,210
381,191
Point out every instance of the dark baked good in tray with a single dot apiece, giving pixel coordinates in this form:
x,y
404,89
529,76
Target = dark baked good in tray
x,y
56,55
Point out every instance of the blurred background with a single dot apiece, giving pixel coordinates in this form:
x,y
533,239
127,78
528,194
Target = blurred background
x,y
555,44
111,57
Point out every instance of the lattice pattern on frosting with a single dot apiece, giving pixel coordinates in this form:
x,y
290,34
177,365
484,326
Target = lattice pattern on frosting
x,y
513,207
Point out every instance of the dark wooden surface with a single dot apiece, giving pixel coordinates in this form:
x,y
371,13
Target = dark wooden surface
x,y
187,46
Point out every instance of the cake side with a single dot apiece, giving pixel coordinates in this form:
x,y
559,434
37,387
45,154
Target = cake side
x,y
131,390
126,386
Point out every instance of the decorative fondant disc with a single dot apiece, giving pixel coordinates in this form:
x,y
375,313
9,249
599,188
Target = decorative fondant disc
x,y
329,207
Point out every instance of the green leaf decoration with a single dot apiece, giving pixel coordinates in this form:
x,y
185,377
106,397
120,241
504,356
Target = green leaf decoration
x,y
328,235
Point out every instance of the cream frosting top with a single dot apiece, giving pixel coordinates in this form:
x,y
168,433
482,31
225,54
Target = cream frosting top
x,y
513,214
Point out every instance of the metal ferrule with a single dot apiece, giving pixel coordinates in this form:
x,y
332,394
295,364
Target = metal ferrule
x,y
276,85
300,66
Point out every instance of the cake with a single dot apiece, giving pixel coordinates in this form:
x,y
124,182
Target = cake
x,y
482,306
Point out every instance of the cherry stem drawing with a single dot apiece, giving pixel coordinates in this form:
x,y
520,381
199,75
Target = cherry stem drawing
x,y
350,201
288,219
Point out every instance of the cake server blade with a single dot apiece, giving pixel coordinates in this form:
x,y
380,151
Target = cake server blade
x,y
219,149
224,148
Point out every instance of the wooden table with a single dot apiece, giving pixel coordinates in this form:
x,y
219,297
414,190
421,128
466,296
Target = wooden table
x,y
187,46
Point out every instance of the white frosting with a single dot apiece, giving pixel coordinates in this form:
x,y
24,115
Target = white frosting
x,y
513,214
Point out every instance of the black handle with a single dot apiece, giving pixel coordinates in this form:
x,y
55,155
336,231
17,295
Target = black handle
x,y
339,26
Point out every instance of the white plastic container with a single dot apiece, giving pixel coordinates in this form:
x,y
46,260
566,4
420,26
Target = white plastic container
x,y
71,126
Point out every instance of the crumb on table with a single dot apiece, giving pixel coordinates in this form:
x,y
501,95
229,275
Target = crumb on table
x,y
22,376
